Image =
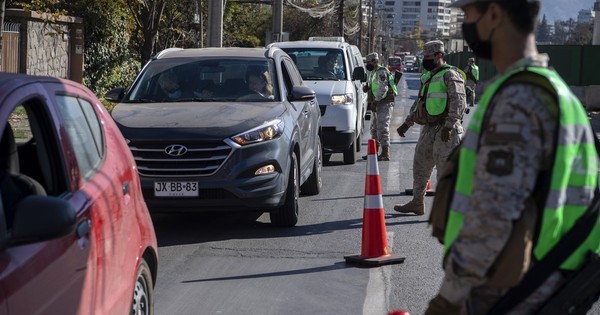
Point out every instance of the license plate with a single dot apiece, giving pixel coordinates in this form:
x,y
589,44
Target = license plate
x,y
176,189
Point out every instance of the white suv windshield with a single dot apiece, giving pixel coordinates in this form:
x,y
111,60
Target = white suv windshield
x,y
206,80
319,64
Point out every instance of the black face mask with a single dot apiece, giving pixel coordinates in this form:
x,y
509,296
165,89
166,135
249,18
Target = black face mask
x,y
482,49
429,64
370,67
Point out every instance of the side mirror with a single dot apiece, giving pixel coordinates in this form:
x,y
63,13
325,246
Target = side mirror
x,y
115,95
42,218
301,93
359,74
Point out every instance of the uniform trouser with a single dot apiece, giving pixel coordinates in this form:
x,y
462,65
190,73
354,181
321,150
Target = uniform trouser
x,y
471,95
431,151
380,123
482,299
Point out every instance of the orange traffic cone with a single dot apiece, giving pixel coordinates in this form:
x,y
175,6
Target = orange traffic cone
x,y
374,249
428,192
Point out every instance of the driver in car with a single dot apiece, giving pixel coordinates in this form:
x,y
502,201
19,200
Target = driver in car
x,y
259,81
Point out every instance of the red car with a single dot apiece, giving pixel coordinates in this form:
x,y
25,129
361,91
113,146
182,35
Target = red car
x,y
394,63
75,234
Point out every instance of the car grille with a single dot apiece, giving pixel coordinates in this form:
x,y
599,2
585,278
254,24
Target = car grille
x,y
201,158
323,108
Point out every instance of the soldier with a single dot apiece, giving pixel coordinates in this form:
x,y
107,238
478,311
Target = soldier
x,y
528,153
439,108
472,73
381,94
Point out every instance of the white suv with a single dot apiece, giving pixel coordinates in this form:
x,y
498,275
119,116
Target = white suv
x,y
340,96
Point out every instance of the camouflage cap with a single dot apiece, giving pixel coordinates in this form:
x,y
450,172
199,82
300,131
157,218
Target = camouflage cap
x,y
463,3
433,47
372,56
471,59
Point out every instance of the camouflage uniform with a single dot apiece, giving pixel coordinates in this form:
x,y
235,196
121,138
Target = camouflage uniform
x,y
380,125
522,124
470,84
431,150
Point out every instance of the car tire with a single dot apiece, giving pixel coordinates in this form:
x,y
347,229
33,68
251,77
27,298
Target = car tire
x,y
350,154
143,291
313,184
287,215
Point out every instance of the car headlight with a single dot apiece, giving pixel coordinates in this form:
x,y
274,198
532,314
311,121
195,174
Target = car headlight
x,y
341,99
265,132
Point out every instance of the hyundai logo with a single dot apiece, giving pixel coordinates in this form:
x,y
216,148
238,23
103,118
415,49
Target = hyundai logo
x,y
176,150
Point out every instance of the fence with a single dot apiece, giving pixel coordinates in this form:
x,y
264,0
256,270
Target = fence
x,y
575,63
10,47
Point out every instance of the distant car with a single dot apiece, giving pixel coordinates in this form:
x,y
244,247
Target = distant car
x,y
394,63
75,234
224,147
409,67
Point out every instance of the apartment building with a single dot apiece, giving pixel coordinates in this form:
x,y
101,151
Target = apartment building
x,y
403,17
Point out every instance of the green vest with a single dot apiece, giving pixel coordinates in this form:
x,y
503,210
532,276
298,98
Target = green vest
x,y
475,71
437,93
574,173
375,85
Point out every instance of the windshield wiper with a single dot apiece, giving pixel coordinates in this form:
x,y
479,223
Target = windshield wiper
x,y
141,101
198,99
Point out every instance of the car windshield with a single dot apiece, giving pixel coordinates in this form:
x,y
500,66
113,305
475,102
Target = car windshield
x,y
319,64
394,61
206,80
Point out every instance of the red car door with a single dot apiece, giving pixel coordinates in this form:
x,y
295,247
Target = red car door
x,y
45,277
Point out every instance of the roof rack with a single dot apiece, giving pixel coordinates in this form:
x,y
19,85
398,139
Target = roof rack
x,y
328,38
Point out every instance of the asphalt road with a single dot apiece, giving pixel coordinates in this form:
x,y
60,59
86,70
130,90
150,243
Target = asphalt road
x,y
239,264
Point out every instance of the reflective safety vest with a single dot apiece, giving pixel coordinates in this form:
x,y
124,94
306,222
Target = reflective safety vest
x,y
573,179
375,85
437,93
475,71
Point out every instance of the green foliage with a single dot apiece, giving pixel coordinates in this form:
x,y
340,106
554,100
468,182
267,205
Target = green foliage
x,y
246,24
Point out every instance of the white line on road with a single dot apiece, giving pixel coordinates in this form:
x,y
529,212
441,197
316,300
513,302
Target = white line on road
x,y
378,288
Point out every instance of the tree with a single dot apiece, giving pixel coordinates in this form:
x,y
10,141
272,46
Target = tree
x,y
543,31
147,15
581,34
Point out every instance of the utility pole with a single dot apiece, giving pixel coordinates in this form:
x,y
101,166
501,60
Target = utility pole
x,y
277,21
214,29
341,18
596,36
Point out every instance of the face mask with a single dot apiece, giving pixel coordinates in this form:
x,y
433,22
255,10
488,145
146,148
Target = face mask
x,y
176,94
428,64
482,49
370,67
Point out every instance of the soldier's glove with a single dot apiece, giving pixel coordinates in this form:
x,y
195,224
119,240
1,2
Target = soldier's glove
x,y
446,134
440,306
402,130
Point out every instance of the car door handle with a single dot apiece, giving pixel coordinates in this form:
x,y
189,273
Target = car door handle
x,y
125,188
84,228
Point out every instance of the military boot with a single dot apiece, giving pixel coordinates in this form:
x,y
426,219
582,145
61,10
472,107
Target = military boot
x,y
364,157
414,206
385,153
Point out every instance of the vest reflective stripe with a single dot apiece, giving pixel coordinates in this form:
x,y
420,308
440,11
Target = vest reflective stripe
x,y
572,184
375,85
437,93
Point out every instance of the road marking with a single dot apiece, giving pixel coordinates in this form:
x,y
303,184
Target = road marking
x,y
379,287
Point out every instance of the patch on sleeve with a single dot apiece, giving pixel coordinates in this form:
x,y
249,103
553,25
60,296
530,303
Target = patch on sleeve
x,y
382,77
500,162
504,133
